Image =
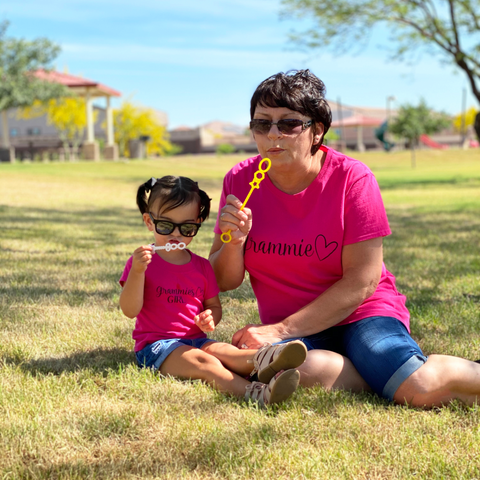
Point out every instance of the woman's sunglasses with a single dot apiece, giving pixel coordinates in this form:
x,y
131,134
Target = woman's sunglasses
x,y
287,126
164,227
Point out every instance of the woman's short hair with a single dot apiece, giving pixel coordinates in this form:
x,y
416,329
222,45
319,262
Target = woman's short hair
x,y
298,90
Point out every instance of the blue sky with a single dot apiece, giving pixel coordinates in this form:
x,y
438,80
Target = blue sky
x,y
201,60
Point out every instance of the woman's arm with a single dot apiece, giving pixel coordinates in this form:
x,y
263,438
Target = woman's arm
x,y
227,258
228,264
362,267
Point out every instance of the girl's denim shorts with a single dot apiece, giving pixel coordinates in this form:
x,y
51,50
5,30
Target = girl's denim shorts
x,y
154,354
381,349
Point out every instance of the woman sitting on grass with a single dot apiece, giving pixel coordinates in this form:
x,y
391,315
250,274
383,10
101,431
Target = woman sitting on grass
x,y
313,250
174,295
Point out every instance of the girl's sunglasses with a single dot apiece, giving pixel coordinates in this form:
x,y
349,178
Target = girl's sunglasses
x,y
164,227
287,126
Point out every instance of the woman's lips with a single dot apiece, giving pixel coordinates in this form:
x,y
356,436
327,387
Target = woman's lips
x,y
275,150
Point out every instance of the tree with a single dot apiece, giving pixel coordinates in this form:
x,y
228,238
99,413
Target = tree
x,y
133,122
225,149
19,88
464,120
413,121
68,115
447,28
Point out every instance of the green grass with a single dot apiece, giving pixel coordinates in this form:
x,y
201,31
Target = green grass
x,y
73,404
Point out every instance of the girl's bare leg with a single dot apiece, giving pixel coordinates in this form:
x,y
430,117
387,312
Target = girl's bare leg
x,y
332,371
193,363
236,359
329,369
441,379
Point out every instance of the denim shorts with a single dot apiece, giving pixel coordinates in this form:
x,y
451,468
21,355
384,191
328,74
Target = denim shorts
x,y
154,354
381,349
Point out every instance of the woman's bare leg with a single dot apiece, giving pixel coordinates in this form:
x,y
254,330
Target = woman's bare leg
x,y
193,363
329,369
332,371
441,379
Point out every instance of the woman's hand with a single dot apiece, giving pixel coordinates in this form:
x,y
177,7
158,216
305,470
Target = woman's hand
x,y
205,321
142,256
255,336
236,220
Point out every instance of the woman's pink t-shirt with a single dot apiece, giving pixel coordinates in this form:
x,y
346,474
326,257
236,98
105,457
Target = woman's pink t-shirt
x,y
294,250
173,296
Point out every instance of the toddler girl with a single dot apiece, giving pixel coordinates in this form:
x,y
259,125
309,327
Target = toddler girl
x,y
174,296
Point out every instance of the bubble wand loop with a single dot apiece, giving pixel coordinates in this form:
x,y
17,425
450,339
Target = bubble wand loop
x,y
255,183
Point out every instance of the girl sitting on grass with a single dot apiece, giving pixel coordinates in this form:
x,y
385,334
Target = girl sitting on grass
x,y
174,296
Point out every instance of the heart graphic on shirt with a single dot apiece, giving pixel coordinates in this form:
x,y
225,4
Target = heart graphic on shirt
x,y
324,249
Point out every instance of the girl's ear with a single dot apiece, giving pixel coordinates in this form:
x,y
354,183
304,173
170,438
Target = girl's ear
x,y
148,222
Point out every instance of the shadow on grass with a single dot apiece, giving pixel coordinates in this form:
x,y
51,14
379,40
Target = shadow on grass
x,y
99,360
400,182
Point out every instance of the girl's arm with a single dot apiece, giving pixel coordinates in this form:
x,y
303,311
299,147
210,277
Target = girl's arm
x,y
362,267
211,316
131,298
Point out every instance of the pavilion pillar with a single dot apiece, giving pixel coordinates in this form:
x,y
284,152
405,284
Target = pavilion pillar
x,y
111,149
360,144
7,152
91,150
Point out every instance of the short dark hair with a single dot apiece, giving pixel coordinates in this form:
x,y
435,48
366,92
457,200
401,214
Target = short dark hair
x,y
172,192
298,90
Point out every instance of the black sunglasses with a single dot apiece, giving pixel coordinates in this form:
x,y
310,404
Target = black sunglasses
x,y
164,227
287,126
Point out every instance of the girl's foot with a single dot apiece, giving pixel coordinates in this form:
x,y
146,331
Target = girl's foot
x,y
271,359
280,387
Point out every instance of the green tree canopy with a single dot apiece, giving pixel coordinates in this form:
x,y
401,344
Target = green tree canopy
x,y
449,29
413,121
19,58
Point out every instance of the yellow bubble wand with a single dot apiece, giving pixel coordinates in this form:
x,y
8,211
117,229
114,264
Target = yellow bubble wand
x,y
255,183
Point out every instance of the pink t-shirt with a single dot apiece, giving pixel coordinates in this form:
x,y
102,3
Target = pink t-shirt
x,y
173,296
294,250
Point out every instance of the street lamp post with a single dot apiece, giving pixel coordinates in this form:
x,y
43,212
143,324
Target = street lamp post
x,y
390,98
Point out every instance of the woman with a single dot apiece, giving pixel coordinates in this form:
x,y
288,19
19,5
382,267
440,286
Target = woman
x,y
313,250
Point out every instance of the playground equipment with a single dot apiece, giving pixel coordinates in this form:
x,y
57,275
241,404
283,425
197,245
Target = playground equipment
x,y
380,133
426,140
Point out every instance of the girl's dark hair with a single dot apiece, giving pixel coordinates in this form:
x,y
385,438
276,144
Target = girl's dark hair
x,y
298,90
172,192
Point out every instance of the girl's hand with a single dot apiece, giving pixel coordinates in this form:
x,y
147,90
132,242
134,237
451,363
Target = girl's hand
x,y
142,256
204,321
236,220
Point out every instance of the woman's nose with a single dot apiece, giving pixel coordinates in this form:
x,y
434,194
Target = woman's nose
x,y
274,132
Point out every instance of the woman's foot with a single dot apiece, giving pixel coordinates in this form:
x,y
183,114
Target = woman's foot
x,y
271,359
280,387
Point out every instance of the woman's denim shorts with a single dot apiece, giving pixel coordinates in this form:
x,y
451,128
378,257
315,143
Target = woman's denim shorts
x,y
381,349
154,354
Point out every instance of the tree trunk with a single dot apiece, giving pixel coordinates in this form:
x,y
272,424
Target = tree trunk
x,y
66,150
414,160
476,125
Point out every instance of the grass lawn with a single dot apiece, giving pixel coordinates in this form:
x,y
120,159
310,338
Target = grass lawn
x,y
74,405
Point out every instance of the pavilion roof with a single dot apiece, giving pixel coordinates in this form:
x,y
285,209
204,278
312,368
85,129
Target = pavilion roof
x,y
358,121
79,84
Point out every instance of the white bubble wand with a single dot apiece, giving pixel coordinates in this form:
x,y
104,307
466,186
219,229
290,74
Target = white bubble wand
x,y
170,246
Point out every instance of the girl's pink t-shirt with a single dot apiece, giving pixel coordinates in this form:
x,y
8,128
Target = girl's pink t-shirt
x,y
294,250
173,296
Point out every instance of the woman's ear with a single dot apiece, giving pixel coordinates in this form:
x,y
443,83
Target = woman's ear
x,y
148,222
319,129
